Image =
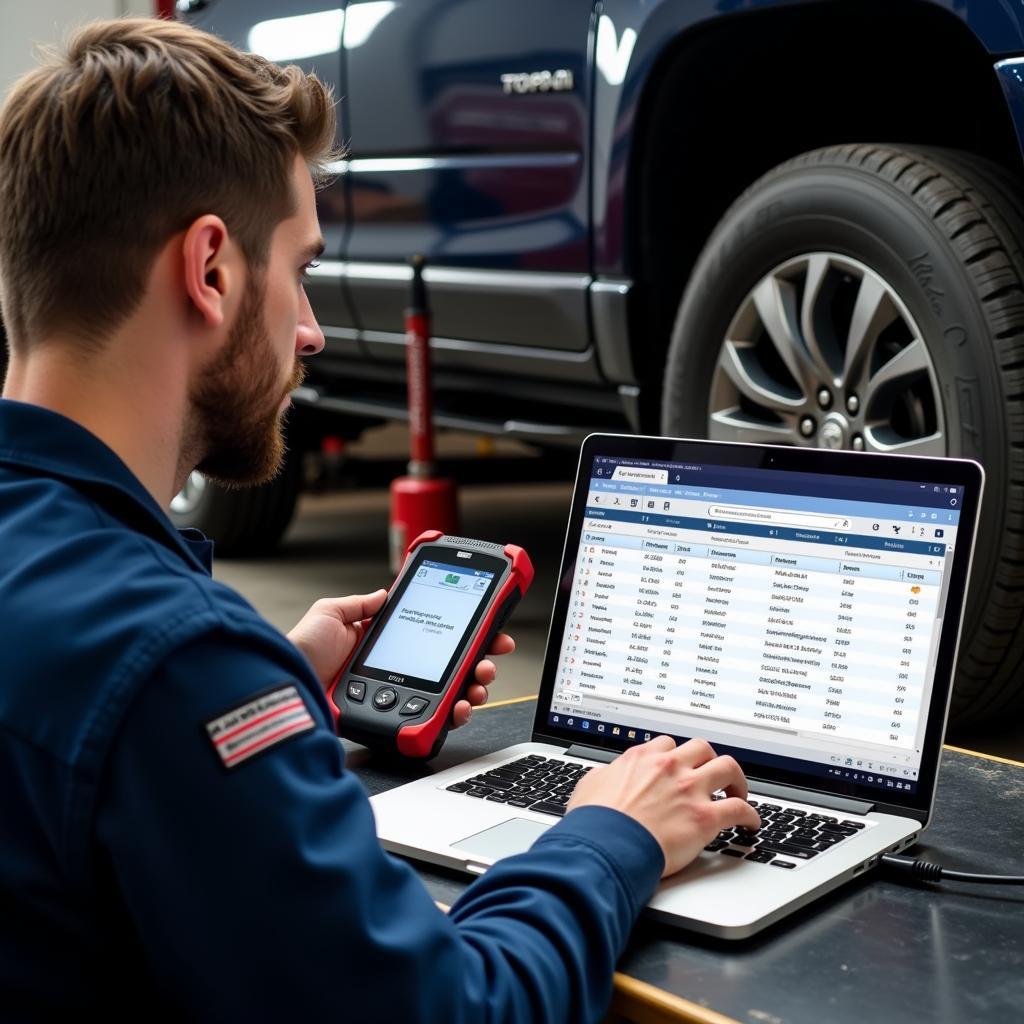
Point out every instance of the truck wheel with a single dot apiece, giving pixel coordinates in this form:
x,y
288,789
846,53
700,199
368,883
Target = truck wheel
x,y
872,297
242,521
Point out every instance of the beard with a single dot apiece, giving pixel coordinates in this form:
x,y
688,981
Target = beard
x,y
236,407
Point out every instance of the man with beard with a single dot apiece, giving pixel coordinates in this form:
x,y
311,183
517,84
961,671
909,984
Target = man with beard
x,y
157,214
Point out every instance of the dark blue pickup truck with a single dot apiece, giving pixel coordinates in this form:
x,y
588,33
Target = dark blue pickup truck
x,y
788,222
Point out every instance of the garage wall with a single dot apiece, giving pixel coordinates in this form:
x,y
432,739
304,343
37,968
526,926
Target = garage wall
x,y
46,21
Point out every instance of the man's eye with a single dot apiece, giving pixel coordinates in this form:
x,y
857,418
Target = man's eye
x,y
312,265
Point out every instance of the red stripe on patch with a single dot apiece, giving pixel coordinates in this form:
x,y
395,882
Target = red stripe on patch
x,y
268,740
290,706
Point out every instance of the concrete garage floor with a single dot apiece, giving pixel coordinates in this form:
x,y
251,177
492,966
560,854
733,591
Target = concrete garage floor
x,y
337,544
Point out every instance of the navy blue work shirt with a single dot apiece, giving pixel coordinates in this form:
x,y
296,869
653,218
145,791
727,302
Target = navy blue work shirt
x,y
179,833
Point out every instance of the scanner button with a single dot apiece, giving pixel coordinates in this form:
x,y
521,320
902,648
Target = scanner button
x,y
385,698
413,706
356,691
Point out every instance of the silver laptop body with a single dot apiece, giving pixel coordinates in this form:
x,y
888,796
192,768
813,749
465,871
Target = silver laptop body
x,y
799,608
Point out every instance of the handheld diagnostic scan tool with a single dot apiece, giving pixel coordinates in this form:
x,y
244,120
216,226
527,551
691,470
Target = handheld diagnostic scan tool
x,y
419,652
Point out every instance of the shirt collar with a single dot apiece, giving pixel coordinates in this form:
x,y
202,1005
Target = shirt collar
x,y
39,439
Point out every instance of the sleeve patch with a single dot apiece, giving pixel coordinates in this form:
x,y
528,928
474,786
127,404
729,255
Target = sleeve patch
x,y
258,725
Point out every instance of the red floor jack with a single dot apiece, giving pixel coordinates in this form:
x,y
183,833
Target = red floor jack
x,y
419,501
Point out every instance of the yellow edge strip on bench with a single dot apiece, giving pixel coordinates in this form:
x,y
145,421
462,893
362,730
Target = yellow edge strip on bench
x,y
987,757
502,703
639,1001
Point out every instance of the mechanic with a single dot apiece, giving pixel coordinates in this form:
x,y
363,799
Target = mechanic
x,y
157,214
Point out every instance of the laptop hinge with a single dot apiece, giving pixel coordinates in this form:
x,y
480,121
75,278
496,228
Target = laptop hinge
x,y
803,796
592,753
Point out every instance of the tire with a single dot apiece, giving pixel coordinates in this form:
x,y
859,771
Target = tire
x,y
246,521
940,233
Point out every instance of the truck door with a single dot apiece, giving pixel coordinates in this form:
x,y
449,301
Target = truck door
x,y
467,131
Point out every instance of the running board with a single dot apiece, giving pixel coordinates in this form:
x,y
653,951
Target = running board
x,y
522,430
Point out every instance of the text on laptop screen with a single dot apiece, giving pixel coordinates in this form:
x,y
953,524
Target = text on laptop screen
x,y
797,625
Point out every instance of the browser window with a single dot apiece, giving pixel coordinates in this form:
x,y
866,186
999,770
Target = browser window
x,y
801,622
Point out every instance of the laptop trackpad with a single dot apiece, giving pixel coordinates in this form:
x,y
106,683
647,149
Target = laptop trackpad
x,y
513,836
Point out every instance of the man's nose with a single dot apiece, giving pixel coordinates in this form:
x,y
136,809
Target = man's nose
x,y
309,339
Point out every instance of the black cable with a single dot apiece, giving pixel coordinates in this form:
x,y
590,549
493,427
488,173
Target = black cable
x,y
924,871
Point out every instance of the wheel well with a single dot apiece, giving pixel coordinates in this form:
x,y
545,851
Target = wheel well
x,y
728,101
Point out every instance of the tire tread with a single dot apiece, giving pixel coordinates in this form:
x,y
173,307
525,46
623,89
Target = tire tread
x,y
979,209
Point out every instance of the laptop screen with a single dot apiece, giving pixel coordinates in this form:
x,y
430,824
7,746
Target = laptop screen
x,y
791,618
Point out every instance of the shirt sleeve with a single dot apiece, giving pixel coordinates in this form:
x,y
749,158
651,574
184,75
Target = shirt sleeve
x,y
258,890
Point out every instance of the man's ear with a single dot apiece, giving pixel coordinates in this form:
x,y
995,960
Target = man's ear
x,y
208,267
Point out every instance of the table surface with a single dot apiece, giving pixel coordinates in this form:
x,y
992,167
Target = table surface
x,y
874,950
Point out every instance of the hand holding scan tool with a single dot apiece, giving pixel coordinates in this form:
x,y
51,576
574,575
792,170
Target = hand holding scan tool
x,y
418,655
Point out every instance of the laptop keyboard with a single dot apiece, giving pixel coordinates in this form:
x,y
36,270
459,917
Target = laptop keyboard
x,y
788,835
543,784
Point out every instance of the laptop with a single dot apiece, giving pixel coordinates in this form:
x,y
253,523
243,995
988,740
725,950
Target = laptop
x,y
798,608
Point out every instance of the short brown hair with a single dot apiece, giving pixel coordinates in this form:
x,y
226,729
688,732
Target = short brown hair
x,y
122,138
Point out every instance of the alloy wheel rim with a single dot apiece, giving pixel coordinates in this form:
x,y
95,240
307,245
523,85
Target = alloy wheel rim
x,y
822,352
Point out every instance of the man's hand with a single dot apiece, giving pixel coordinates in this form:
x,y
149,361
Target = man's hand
x,y
668,790
328,633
